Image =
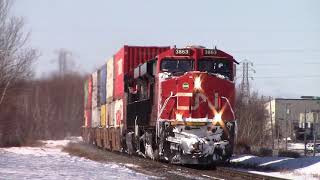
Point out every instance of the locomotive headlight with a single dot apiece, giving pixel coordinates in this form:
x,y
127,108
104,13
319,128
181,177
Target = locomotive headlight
x,y
179,116
197,83
217,117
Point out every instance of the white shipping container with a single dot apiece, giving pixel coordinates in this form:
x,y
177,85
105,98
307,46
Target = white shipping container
x,y
95,121
118,112
110,114
110,69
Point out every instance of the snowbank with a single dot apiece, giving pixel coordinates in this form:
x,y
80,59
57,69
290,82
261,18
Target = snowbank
x,y
48,147
295,168
49,162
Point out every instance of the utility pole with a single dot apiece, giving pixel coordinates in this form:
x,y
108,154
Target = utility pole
x,y
314,129
286,120
272,137
305,132
278,133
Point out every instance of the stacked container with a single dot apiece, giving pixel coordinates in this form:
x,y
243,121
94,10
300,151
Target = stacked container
x,y
105,100
85,88
126,60
95,101
109,92
87,101
102,95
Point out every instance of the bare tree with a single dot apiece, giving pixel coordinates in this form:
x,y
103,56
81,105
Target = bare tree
x,y
251,120
15,58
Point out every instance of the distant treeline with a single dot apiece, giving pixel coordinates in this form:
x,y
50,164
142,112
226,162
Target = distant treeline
x,y
50,108
31,109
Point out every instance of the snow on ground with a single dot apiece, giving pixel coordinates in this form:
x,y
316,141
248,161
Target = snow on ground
x,y
295,146
49,162
293,168
49,147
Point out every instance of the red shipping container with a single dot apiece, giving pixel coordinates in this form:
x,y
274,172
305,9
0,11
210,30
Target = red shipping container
x,y
88,102
128,58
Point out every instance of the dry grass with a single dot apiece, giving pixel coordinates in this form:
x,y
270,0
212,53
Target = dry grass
x,y
86,151
34,143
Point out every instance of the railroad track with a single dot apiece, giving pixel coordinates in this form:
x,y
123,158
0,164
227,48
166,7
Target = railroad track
x,y
165,170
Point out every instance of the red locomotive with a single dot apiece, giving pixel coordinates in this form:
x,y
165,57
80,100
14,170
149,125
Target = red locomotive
x,y
164,103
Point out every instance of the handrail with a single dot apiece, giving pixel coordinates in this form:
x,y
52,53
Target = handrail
x,y
161,110
234,117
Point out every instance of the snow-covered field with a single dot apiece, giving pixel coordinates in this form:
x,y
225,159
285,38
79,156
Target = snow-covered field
x,y
292,168
49,162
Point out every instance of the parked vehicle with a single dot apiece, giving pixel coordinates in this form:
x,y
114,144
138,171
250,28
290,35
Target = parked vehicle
x,y
172,104
311,147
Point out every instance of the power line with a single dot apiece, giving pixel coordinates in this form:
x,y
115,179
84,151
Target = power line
x,y
277,51
287,64
287,77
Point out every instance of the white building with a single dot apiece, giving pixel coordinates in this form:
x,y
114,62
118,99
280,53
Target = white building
x,y
284,114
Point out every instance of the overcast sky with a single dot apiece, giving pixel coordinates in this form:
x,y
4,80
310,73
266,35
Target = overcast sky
x,y
281,38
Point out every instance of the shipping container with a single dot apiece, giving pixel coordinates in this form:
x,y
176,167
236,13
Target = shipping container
x,y
103,115
118,74
106,116
89,105
95,101
87,102
127,59
86,88
110,114
110,80
118,112
102,84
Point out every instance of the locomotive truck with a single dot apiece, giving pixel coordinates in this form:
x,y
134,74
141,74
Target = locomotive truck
x,y
164,103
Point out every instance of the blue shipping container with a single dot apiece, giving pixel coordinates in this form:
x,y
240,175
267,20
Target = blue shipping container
x,y
103,84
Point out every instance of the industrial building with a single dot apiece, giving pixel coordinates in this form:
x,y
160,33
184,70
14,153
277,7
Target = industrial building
x,y
286,118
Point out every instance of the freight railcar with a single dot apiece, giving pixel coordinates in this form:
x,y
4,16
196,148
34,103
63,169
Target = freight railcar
x,y
172,104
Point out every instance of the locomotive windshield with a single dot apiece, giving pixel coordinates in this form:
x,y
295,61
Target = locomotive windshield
x,y
215,66
177,66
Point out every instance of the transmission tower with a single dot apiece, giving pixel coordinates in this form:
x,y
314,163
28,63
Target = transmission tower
x,y
63,61
247,67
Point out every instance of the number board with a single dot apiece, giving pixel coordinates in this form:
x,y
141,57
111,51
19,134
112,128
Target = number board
x,y
183,52
209,52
